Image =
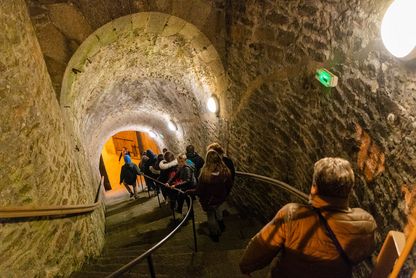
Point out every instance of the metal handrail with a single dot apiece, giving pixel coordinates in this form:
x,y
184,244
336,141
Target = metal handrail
x,y
147,254
65,210
282,185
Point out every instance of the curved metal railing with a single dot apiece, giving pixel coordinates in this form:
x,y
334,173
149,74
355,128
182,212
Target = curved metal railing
x,y
65,210
280,184
148,254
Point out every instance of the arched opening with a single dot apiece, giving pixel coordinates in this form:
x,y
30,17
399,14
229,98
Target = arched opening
x,y
140,72
111,159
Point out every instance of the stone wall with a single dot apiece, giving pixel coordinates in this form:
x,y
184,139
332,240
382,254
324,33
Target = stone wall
x,y
41,165
284,120
142,70
278,119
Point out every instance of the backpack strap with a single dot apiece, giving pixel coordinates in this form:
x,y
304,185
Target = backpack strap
x,y
333,237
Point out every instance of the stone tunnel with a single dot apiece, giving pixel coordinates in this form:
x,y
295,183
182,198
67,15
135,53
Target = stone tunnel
x,y
76,72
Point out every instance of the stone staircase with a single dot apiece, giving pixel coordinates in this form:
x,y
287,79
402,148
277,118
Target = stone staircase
x,y
134,226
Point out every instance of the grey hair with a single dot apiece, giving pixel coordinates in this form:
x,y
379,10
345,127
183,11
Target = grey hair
x,y
181,156
333,177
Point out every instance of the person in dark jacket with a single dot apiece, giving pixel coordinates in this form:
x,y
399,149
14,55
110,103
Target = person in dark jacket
x,y
128,176
155,168
213,187
146,169
195,158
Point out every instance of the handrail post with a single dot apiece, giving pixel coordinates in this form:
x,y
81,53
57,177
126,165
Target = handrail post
x,y
157,189
97,196
151,268
148,188
173,215
193,225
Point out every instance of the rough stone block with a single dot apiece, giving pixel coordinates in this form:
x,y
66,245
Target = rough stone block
x,y
264,34
156,23
140,20
164,5
200,42
180,8
106,34
123,25
86,50
189,32
222,84
199,12
70,21
209,54
216,67
53,43
173,26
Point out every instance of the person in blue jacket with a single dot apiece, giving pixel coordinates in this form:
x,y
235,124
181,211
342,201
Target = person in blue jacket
x,y
128,175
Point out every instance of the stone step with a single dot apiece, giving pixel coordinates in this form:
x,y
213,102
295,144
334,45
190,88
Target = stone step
x,y
184,265
135,226
204,244
123,206
97,274
236,227
125,220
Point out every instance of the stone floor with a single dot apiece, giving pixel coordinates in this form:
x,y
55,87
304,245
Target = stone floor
x,y
133,226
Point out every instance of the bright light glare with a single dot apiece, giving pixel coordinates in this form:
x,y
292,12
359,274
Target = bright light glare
x,y
212,104
172,126
152,134
398,28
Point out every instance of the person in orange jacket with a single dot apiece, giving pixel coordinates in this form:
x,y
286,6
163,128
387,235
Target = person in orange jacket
x,y
299,236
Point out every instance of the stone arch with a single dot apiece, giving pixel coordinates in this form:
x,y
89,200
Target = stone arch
x,y
138,122
151,67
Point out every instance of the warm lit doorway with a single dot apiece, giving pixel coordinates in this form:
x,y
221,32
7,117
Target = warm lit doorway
x,y
111,161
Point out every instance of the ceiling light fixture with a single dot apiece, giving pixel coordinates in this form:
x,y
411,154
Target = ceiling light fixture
x,y
212,104
398,30
152,134
172,126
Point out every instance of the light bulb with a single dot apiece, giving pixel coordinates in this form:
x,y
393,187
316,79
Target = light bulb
x,y
152,134
172,126
212,104
398,30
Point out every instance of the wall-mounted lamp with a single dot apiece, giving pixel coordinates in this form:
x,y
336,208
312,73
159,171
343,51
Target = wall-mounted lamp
x,y
398,29
172,126
212,104
152,134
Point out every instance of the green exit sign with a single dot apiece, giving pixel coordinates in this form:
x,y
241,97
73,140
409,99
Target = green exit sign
x,y
326,78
